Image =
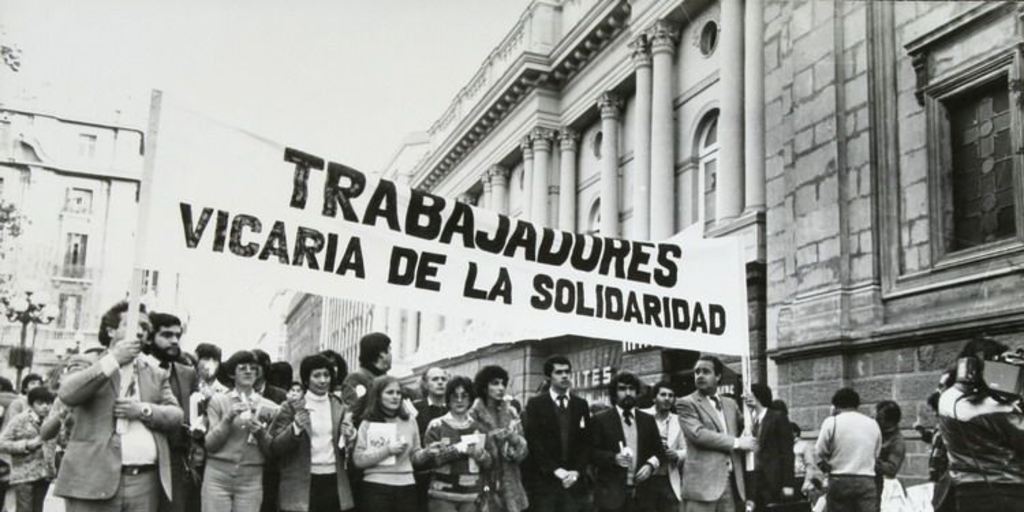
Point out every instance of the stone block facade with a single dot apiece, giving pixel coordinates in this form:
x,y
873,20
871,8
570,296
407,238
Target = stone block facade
x,y
862,287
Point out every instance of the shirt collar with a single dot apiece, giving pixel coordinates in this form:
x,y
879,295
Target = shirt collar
x,y
555,395
622,412
760,417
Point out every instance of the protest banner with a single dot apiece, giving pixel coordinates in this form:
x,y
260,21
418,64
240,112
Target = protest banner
x,y
225,199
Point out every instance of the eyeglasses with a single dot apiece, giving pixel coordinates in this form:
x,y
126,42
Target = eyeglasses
x,y
247,367
460,396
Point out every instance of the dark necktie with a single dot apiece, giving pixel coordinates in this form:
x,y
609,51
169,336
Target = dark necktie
x,y
561,402
757,426
628,417
717,401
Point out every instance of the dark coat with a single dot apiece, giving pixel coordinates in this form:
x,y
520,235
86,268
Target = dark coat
x,y
293,457
775,453
184,382
605,435
541,429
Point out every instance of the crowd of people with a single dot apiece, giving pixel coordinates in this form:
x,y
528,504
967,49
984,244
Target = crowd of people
x,y
140,425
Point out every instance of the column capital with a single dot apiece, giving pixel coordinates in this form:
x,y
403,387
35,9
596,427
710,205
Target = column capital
x,y
526,146
640,51
488,186
542,136
610,105
568,138
496,172
663,35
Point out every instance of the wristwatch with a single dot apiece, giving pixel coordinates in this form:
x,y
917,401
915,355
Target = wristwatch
x,y
147,411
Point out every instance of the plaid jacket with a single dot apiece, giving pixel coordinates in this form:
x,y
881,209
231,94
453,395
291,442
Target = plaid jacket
x,y
27,466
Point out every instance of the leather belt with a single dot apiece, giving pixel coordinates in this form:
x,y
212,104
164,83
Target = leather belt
x,y
135,470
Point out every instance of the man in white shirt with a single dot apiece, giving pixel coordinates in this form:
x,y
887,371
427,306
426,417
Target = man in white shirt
x,y
665,490
118,457
849,442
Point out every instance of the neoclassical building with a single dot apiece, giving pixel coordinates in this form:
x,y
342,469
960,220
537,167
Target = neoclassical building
x,y
868,154
640,120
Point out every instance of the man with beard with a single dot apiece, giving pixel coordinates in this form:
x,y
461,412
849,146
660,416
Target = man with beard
x,y
163,345
714,448
625,448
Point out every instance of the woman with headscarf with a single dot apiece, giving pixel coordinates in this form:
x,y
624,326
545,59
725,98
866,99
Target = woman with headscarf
x,y
387,447
311,437
237,442
504,429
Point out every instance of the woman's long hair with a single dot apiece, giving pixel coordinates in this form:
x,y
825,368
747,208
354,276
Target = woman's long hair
x,y
374,410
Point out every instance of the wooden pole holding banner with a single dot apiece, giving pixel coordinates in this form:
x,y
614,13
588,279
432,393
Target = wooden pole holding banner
x,y
748,419
142,220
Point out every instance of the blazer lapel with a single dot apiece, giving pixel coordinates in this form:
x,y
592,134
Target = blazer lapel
x,y
336,417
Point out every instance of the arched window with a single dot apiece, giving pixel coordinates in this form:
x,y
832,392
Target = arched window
x,y
594,219
707,155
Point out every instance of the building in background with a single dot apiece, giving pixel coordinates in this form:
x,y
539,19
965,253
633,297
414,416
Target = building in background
x,y
75,180
867,153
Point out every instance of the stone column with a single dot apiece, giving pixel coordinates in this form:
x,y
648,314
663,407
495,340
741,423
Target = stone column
x,y
642,140
526,206
487,199
610,105
542,138
663,46
568,140
412,331
497,176
729,194
395,325
754,105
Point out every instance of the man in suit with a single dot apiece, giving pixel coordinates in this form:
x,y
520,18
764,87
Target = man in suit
x,y
625,448
768,481
163,344
555,426
666,483
714,447
123,409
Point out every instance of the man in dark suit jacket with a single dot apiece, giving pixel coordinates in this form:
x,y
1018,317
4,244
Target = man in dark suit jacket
x,y
123,409
769,480
625,447
555,426
163,345
714,447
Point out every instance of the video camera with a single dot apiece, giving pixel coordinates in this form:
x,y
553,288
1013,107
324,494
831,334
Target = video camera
x,y
1002,378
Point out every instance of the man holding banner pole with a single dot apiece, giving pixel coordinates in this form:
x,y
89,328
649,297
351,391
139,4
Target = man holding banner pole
x,y
713,471
118,458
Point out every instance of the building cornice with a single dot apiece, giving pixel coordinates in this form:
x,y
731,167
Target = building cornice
x,y
905,335
528,72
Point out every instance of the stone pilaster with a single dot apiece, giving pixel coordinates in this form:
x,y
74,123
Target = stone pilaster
x,y
610,105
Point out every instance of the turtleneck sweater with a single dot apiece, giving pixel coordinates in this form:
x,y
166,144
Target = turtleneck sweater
x,y
320,438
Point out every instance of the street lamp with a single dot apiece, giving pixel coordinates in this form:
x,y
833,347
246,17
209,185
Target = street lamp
x,y
29,312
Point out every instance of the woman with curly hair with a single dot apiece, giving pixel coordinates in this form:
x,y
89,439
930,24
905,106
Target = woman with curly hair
x,y
504,434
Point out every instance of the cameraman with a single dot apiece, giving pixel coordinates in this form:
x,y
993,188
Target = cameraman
x,y
984,436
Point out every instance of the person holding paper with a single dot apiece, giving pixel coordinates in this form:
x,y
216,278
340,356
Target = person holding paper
x,y
494,411
123,409
387,446
456,450
625,448
311,437
713,471
237,442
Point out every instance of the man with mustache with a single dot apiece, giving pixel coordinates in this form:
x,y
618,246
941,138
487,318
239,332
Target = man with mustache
x,y
625,448
714,447
164,346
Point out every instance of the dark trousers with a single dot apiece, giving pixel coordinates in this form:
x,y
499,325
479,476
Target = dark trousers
x,y
323,493
422,488
989,498
387,498
850,493
656,494
628,504
759,491
555,498
271,479
31,495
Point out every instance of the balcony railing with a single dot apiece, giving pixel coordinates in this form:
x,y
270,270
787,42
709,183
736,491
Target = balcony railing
x,y
47,338
76,272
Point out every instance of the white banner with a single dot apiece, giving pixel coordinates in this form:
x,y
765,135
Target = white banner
x,y
226,200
